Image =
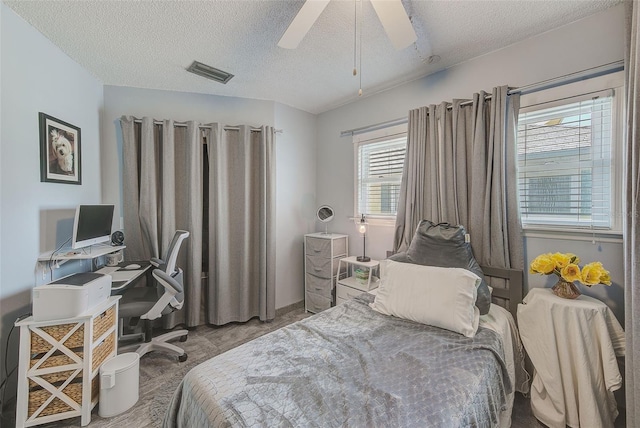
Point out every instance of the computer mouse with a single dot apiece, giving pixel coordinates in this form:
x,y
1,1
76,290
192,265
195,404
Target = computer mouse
x,y
132,266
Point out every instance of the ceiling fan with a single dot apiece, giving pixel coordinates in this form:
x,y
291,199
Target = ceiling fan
x,y
391,13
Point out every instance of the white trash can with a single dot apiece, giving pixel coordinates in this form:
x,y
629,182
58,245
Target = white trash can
x,y
119,384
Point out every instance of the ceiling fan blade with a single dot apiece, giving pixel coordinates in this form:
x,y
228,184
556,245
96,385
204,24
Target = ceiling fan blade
x,y
301,24
395,22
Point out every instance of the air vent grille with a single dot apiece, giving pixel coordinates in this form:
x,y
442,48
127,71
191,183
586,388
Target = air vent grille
x,y
209,72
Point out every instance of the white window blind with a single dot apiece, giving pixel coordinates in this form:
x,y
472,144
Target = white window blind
x,y
565,162
379,172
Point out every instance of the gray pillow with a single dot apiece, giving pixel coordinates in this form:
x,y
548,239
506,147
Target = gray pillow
x,y
444,245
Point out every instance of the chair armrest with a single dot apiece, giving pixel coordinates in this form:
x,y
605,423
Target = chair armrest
x,y
167,280
156,261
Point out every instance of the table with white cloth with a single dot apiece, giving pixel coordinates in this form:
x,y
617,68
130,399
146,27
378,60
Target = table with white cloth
x,y
573,345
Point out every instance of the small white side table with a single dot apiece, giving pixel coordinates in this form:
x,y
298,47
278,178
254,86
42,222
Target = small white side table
x,y
350,286
573,345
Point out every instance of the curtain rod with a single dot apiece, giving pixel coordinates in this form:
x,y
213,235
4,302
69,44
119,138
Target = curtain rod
x,y
589,73
226,128
387,124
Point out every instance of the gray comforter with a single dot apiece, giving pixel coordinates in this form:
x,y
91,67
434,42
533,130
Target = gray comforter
x,y
348,366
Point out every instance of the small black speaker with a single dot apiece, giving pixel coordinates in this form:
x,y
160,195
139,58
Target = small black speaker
x,y
117,238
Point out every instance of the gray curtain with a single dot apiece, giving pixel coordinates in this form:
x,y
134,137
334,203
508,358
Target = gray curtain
x,y
631,224
460,168
162,192
241,224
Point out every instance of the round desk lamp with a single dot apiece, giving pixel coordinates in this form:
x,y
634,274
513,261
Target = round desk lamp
x,y
362,229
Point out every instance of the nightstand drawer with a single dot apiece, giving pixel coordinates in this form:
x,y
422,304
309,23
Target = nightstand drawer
x,y
322,247
347,293
319,247
316,303
321,267
321,286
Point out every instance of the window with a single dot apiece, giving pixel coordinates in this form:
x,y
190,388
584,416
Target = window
x,y
566,162
379,165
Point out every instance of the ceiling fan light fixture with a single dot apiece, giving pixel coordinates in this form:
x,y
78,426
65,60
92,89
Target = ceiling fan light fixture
x,y
209,72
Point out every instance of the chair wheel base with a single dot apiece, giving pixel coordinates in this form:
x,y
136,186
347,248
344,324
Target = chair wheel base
x,y
182,358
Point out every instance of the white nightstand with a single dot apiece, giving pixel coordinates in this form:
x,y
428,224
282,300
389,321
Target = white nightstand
x,y
350,286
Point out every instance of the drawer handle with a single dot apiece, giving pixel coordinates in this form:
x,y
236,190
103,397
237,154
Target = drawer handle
x,y
317,269
316,250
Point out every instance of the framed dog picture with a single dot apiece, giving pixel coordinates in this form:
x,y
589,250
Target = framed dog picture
x,y
59,151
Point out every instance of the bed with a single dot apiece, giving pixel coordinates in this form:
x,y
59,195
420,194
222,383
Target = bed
x,y
353,366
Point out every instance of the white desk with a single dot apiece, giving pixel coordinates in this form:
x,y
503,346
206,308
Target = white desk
x,y
573,345
122,277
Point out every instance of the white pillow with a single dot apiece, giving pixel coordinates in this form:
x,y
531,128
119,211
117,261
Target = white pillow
x,y
441,297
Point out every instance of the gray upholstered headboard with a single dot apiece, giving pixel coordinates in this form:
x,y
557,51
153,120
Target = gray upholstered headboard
x,y
513,292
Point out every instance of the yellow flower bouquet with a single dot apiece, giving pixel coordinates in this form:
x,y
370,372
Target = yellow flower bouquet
x,y
565,266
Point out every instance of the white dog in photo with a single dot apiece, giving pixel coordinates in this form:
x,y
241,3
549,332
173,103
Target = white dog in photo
x,y
63,150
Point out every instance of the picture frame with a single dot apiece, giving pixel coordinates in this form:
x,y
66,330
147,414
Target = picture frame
x,y
60,151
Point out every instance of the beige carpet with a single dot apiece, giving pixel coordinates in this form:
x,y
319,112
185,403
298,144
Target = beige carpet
x,y
160,374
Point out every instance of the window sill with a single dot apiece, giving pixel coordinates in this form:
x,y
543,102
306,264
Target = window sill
x,y
613,236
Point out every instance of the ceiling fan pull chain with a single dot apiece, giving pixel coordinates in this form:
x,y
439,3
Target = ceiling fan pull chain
x,y
355,36
360,31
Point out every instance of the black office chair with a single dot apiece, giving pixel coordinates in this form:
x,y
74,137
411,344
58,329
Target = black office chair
x,y
150,303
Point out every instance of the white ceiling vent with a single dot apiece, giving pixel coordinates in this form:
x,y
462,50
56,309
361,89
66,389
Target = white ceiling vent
x,y
209,72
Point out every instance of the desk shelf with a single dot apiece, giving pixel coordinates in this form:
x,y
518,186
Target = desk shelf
x,y
79,254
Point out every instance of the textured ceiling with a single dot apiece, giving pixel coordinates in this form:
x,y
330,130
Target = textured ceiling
x,y
149,44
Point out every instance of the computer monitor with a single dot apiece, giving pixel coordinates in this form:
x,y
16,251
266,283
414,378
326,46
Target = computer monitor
x,y
92,225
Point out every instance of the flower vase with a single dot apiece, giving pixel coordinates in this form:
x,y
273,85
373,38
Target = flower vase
x,y
565,289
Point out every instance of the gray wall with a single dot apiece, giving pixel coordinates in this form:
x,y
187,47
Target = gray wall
x,y
295,198
36,76
295,165
593,41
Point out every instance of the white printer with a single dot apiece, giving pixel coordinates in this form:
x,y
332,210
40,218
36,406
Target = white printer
x,y
70,296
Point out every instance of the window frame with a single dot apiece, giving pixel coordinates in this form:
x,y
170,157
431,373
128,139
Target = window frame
x,y
370,137
564,94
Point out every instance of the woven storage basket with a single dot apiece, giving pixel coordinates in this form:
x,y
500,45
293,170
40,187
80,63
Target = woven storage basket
x,y
54,377
102,351
38,396
54,360
40,345
102,322
95,387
